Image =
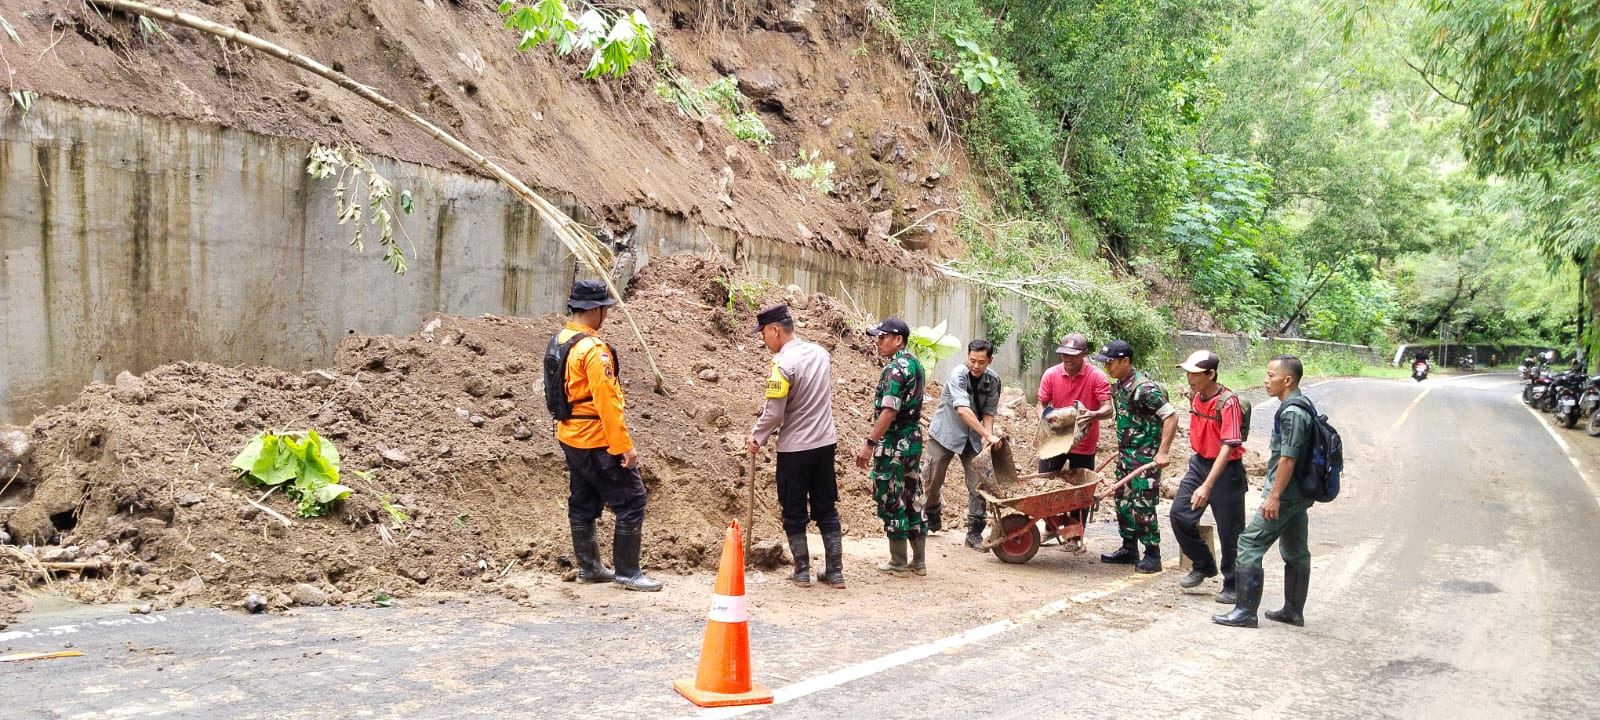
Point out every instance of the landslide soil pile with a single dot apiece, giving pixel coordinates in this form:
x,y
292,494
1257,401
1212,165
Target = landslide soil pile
x,y
819,76
131,479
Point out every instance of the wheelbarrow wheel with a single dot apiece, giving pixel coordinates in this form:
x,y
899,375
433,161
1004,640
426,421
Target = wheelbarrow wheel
x,y
1019,549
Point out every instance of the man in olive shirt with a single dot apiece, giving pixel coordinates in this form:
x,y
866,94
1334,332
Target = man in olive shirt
x,y
1282,515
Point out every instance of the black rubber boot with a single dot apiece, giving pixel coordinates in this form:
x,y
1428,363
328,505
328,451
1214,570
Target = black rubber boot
x,y
1247,585
1128,554
1151,564
1295,584
919,555
897,565
802,560
625,544
587,550
833,559
975,528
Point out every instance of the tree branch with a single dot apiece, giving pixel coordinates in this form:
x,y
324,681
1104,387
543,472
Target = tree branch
x,y
1424,75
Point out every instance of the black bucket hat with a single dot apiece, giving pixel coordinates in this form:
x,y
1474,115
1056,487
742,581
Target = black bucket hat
x,y
588,295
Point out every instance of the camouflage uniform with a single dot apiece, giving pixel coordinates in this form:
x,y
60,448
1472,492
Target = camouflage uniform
x,y
1139,403
897,460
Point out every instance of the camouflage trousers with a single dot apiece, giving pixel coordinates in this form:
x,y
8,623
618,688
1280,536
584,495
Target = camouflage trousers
x,y
1137,502
897,489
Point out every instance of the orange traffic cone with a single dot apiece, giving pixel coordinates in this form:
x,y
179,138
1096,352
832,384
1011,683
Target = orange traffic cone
x,y
724,676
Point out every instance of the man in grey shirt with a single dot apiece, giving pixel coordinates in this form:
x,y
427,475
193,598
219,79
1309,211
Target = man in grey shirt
x,y
799,408
962,425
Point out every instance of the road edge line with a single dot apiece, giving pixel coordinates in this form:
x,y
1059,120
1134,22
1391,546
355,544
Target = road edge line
x,y
866,668
1566,450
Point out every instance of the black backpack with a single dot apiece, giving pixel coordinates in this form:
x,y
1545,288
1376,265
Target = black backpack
x,y
1318,475
1245,408
555,377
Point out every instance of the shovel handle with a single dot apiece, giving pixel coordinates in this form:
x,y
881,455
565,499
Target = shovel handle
x,y
750,508
1123,481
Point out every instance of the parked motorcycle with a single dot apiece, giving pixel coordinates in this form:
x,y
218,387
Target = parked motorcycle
x,y
1589,404
1538,386
1566,392
1419,370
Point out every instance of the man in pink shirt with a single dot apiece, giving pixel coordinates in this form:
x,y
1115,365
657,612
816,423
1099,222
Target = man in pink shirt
x,y
1076,381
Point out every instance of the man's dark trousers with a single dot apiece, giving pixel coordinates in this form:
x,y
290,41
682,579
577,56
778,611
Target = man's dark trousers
x,y
598,480
808,490
1227,507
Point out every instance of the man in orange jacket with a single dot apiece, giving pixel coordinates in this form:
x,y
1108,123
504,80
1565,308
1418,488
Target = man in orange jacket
x,y
602,464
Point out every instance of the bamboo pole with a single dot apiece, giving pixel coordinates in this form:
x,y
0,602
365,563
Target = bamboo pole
x,y
577,239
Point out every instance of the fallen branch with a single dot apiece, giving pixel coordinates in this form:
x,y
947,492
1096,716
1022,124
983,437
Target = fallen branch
x,y
577,239
267,510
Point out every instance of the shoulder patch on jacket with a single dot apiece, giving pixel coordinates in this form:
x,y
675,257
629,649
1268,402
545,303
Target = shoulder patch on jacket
x,y
777,384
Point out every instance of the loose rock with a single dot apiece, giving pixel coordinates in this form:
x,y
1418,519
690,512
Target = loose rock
x,y
768,554
308,595
319,378
709,375
254,603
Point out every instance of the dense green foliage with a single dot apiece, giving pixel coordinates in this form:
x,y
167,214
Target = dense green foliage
x,y
1311,168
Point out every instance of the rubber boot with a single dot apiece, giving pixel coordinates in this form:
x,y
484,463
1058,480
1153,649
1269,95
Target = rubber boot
x,y
625,556
587,550
833,559
1247,585
919,555
975,528
802,560
897,565
1151,563
1128,554
1295,584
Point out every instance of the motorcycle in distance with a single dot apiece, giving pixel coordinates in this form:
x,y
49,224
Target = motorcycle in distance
x,y
1566,392
1589,404
1538,387
1419,370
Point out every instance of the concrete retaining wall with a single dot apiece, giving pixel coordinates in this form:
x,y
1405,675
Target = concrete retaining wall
x,y
128,241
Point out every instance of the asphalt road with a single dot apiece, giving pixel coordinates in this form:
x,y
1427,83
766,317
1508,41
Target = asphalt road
x,y
1452,578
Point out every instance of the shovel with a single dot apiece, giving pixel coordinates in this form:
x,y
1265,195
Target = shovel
x,y
750,509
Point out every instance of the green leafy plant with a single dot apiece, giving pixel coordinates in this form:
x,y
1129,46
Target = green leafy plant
x,y
376,195
400,517
930,344
616,41
744,295
301,462
722,99
819,174
23,99
979,70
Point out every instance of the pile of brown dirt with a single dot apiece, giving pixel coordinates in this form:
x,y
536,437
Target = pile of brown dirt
x,y
126,494
132,479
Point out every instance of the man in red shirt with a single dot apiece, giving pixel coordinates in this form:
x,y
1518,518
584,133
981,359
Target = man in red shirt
x,y
1216,475
1076,381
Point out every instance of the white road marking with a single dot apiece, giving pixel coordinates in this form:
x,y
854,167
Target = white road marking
x,y
952,643
1565,448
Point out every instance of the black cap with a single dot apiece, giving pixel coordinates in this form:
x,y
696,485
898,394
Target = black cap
x,y
1113,350
770,315
891,326
588,295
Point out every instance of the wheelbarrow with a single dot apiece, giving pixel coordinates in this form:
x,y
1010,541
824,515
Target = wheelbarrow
x,y
1016,537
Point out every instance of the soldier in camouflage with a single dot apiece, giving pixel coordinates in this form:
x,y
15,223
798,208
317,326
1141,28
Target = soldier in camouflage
x,y
894,449
1146,422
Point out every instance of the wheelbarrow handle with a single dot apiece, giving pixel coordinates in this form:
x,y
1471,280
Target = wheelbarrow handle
x,y
1123,481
